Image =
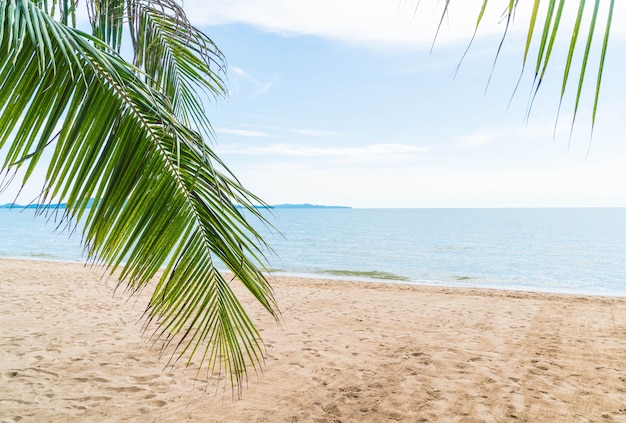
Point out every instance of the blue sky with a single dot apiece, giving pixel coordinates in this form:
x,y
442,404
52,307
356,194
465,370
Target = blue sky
x,y
343,104
321,113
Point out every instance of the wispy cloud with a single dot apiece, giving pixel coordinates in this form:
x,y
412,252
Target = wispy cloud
x,y
242,74
276,131
242,132
479,138
312,132
305,151
540,130
261,87
298,130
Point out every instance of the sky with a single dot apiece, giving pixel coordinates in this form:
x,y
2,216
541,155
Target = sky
x,y
345,103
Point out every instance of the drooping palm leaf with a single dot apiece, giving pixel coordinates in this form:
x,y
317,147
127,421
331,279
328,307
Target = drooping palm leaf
x,y
552,23
605,44
163,200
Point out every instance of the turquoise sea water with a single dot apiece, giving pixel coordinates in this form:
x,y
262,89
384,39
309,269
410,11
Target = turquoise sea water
x,y
556,250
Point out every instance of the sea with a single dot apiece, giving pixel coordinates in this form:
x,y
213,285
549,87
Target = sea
x,y
563,250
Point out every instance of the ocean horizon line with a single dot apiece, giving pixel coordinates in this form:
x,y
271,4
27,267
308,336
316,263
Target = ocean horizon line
x,y
13,205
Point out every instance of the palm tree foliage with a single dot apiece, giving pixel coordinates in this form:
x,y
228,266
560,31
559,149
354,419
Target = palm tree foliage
x,y
132,136
545,21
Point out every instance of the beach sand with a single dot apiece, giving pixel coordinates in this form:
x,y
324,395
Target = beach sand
x,y
71,351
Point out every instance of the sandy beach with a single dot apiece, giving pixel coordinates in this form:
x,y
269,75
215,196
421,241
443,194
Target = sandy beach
x,y
71,351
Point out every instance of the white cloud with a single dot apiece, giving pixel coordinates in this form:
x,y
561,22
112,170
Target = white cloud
x,y
376,22
349,20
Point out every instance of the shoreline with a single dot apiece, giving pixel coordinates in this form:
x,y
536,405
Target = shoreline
x,y
272,275
442,285
344,351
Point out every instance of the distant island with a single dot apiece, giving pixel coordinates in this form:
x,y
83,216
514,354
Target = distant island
x,y
306,206
40,206
33,206
64,205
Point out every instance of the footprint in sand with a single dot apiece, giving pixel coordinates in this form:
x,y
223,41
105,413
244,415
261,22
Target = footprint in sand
x,y
332,409
143,379
40,370
159,403
126,389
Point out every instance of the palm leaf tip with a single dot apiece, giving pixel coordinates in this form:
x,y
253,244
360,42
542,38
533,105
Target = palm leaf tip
x,y
546,20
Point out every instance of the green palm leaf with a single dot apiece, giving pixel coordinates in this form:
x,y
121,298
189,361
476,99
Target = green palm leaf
x,y
163,200
178,59
552,23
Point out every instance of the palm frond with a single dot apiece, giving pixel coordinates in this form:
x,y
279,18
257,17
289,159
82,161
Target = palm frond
x,y
180,60
163,200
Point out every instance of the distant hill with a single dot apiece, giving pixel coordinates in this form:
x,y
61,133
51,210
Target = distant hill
x,y
306,206
33,206
39,206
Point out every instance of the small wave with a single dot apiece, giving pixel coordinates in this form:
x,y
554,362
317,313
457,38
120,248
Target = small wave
x,y
373,274
451,247
40,255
